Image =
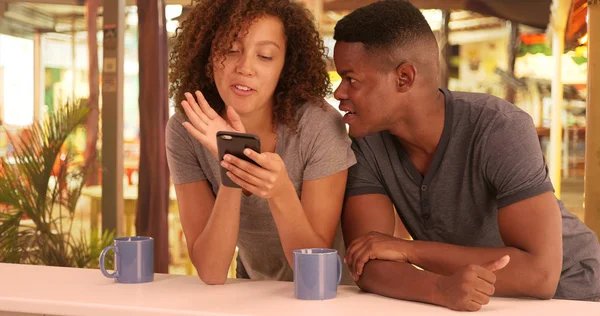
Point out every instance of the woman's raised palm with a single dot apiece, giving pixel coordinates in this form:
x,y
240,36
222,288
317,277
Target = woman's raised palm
x,y
204,122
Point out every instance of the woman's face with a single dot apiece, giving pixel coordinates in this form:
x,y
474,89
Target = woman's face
x,y
246,79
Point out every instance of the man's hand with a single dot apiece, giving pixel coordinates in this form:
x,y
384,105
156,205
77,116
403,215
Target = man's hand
x,y
374,245
471,287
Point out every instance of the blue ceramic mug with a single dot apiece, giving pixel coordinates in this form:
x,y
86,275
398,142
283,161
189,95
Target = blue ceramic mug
x,y
317,273
134,259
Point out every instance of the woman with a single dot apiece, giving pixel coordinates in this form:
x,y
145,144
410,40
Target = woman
x,y
255,66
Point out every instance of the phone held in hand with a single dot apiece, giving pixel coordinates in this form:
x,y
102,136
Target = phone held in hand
x,y
234,144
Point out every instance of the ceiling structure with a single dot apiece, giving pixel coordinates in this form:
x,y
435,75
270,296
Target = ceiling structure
x,y
467,15
534,13
23,18
460,20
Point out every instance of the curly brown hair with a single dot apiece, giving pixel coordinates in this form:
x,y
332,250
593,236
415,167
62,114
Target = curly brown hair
x,y
208,33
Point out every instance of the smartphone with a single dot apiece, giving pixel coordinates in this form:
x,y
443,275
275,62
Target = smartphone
x,y
234,144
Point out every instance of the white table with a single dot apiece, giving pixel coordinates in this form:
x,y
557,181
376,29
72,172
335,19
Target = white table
x,y
69,291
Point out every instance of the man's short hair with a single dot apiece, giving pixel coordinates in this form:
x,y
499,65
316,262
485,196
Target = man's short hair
x,y
384,26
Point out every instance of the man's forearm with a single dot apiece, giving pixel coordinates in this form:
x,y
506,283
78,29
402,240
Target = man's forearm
x,y
399,280
525,275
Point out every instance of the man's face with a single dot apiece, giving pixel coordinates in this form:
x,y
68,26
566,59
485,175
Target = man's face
x,y
367,92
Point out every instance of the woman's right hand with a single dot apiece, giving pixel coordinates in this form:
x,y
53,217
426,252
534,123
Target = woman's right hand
x,y
204,122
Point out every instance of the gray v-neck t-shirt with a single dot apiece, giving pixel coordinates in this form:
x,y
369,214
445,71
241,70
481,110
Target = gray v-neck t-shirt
x,y
320,148
488,157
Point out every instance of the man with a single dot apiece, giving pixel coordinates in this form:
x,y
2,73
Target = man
x,y
464,172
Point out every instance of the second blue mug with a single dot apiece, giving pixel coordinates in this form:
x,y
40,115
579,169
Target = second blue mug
x,y
317,273
134,259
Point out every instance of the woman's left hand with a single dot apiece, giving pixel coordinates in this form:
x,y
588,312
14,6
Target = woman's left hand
x,y
267,180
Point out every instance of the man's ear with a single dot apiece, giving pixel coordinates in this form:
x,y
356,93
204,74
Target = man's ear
x,y
405,76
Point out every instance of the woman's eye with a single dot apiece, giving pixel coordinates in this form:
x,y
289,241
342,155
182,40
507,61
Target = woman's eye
x,y
265,57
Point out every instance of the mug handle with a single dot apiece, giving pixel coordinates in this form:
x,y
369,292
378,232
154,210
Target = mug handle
x,y
339,279
103,267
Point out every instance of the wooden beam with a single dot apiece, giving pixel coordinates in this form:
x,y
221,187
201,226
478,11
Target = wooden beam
x,y
74,76
338,5
38,77
558,23
92,123
513,47
112,117
62,2
25,15
440,4
592,134
82,2
1,95
152,212
445,50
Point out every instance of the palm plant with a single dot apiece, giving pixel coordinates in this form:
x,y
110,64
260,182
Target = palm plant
x,y
40,185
